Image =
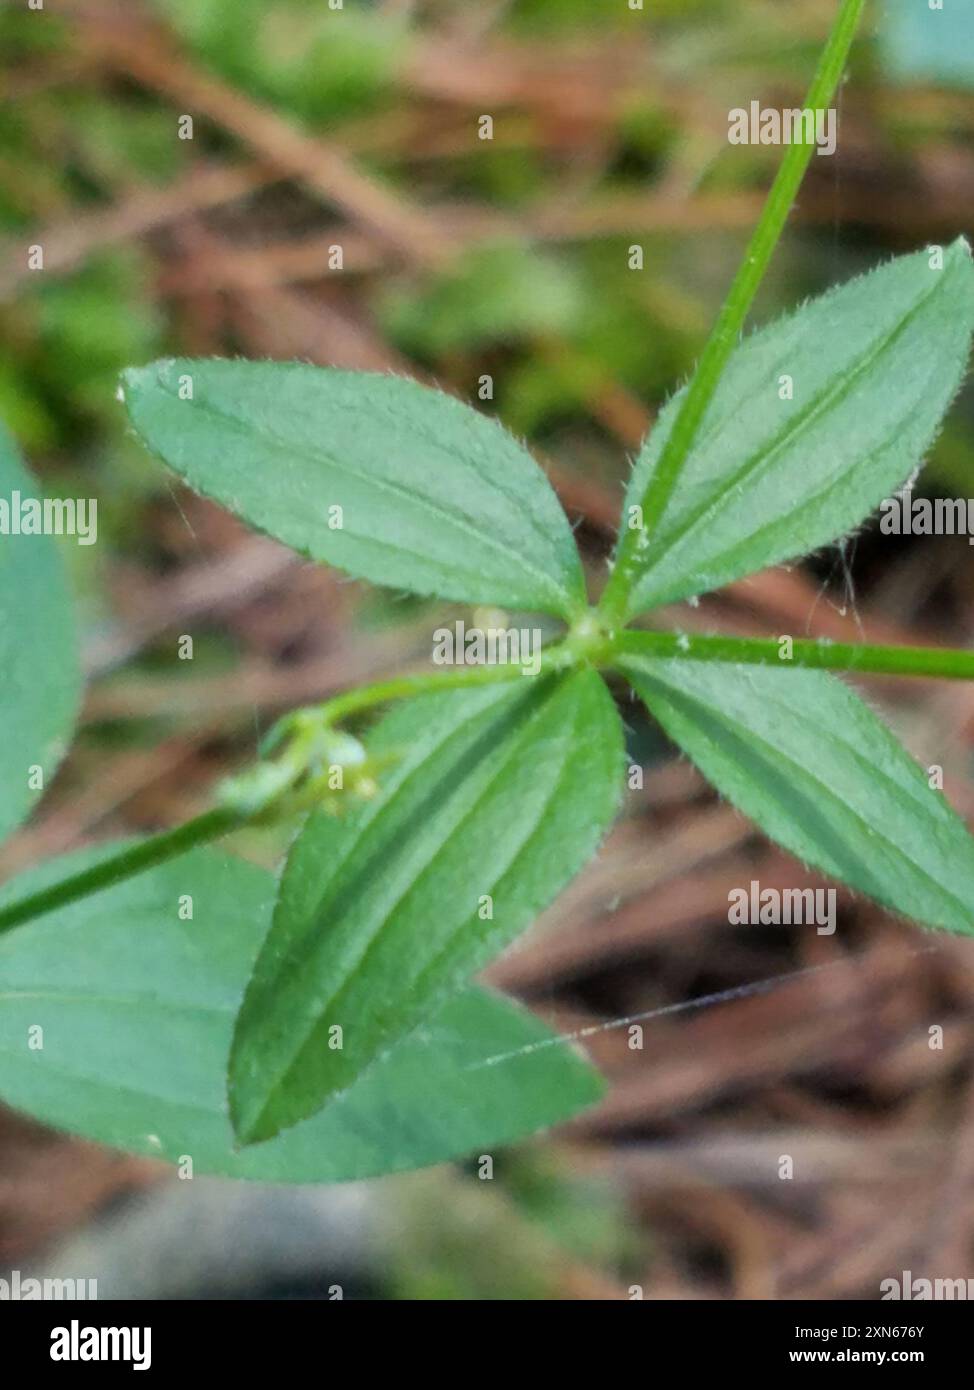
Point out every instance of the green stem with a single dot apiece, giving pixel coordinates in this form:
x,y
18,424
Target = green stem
x,y
730,322
144,855
818,654
210,826
557,657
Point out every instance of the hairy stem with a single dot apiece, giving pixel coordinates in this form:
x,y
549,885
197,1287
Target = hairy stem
x,y
128,862
554,658
809,653
212,824
730,322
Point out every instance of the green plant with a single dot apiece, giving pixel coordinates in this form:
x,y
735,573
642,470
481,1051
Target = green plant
x,y
428,846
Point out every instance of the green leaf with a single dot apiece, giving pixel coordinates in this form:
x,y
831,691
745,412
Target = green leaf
x,y
40,680
803,756
434,497
137,1007
874,363
501,795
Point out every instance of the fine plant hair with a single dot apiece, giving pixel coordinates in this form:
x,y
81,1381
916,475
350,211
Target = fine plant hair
x,y
323,1025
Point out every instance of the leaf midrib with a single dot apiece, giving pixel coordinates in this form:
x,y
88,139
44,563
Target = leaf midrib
x,y
118,1000
750,735
764,457
475,806
551,584
308,1034
524,849
729,556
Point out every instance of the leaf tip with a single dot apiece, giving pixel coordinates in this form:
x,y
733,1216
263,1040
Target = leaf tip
x,y
249,1125
959,254
131,380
